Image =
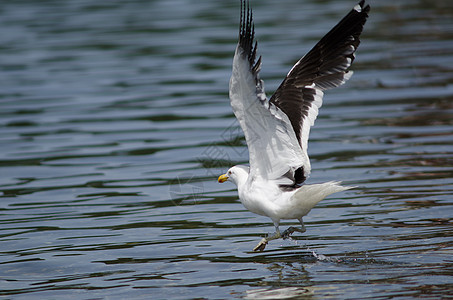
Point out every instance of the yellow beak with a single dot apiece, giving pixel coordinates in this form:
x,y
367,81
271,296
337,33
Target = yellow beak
x,y
223,178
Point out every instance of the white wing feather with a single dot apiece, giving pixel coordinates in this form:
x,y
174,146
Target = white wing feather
x,y
273,147
277,130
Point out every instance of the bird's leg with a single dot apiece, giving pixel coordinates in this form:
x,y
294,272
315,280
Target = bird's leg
x,y
302,226
262,244
287,233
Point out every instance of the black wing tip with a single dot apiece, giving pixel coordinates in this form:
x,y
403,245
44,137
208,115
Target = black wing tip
x,y
349,29
247,35
364,9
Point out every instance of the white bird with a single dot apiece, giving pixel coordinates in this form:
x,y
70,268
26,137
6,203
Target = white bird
x,y
276,130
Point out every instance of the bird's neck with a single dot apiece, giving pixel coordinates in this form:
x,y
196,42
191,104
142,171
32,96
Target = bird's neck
x,y
241,182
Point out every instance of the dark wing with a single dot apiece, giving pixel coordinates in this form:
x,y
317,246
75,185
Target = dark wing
x,y
324,67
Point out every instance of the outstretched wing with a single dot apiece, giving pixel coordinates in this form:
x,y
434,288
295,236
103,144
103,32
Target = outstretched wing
x,y
324,67
274,151
276,130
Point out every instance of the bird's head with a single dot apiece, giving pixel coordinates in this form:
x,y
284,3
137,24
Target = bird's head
x,y
237,174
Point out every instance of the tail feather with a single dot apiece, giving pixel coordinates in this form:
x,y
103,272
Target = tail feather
x,y
307,196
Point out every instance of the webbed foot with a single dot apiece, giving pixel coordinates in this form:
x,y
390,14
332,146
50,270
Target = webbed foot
x,y
287,233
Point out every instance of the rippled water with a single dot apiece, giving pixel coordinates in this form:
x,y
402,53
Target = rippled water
x,y
115,123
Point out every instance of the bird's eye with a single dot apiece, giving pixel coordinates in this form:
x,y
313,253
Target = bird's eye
x,y
229,172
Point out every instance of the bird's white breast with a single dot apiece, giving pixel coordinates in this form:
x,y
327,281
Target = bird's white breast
x,y
260,198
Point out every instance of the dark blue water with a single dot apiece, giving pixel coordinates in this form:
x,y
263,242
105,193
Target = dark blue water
x,y
115,123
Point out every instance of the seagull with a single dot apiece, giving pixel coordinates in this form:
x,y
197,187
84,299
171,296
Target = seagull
x,y
276,130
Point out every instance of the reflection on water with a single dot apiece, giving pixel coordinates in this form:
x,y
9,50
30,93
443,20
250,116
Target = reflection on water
x,y
115,124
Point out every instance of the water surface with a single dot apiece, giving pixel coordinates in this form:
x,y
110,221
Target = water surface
x,y
115,123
